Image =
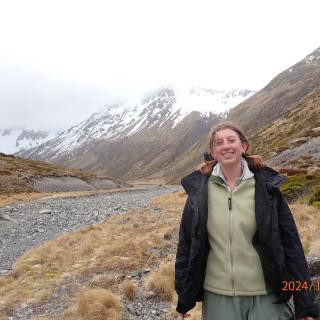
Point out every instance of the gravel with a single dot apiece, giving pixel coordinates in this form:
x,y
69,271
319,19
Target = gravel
x,y
25,225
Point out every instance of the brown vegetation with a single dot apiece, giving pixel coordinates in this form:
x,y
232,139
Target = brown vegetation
x,y
98,304
162,282
129,289
292,129
17,175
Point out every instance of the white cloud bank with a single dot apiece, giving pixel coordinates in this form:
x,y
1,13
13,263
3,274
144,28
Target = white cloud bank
x,y
62,60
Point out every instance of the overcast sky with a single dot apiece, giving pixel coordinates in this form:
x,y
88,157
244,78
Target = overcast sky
x,y
60,61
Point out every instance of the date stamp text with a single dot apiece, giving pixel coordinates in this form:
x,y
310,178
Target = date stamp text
x,y
300,285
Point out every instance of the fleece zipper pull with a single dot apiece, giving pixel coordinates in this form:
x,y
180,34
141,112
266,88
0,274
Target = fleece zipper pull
x,y
229,203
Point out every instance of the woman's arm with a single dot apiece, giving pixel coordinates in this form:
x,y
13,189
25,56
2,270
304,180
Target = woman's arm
x,y
182,257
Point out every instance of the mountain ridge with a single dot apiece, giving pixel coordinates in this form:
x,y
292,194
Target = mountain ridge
x,y
104,140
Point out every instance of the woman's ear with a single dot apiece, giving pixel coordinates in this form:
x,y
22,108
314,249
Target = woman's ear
x,y
245,147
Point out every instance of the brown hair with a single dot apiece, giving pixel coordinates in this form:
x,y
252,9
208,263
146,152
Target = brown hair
x,y
255,162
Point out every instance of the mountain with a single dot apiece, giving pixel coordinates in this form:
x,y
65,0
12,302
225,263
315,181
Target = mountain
x,y
141,140
280,95
283,118
13,140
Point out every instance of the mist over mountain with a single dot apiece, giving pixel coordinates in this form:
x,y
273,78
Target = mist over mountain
x,y
13,140
142,139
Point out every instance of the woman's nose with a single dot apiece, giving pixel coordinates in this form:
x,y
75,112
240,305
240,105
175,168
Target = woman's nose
x,y
225,145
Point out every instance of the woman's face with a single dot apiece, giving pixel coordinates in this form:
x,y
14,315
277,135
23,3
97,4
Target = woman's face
x,y
228,148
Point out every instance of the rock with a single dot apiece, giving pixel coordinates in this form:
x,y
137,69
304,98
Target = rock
x,y
45,211
314,266
167,236
298,141
4,272
147,270
149,294
7,218
137,274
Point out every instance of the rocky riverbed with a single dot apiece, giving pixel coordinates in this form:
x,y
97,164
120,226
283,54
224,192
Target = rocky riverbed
x,y
25,225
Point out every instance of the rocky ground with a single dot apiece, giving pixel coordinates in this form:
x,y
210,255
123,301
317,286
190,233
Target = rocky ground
x,y
25,225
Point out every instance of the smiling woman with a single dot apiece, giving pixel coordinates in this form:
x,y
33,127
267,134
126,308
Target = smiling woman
x,y
238,242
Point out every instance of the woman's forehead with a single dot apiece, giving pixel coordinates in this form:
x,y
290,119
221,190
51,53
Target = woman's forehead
x,y
225,133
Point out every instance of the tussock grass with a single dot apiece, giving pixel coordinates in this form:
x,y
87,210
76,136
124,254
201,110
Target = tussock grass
x,y
162,282
129,289
98,304
308,222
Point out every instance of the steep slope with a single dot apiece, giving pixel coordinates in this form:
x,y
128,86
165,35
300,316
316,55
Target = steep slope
x,y
140,140
293,140
280,95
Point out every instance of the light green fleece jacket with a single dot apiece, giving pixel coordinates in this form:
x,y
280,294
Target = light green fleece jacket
x,y
233,266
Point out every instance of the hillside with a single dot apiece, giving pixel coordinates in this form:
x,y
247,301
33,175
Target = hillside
x,y
293,140
24,175
282,94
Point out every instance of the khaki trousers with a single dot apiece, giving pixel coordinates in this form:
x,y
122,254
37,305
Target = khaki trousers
x,y
221,307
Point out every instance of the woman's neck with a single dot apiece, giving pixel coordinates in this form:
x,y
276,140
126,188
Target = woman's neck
x,y
232,173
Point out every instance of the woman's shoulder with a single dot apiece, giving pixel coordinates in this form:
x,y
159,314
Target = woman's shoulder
x,y
270,176
193,180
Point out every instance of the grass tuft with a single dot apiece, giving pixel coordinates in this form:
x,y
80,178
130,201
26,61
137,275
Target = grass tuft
x,y
161,282
98,304
129,289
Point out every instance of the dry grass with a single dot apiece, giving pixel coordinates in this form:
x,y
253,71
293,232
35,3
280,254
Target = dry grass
x,y
102,256
98,304
129,289
308,221
161,282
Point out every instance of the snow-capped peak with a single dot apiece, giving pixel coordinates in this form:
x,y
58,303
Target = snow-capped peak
x,y
166,106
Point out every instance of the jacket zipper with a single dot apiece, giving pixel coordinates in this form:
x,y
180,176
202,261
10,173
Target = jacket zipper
x,y
230,238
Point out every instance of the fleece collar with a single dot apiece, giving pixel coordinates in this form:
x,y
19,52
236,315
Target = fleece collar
x,y
246,173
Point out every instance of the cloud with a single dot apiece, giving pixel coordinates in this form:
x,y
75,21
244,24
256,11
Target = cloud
x,y
60,61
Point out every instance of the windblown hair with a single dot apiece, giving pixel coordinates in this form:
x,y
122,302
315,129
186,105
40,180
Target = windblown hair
x,y
255,162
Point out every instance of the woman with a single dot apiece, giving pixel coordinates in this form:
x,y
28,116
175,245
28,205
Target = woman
x,y
238,243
